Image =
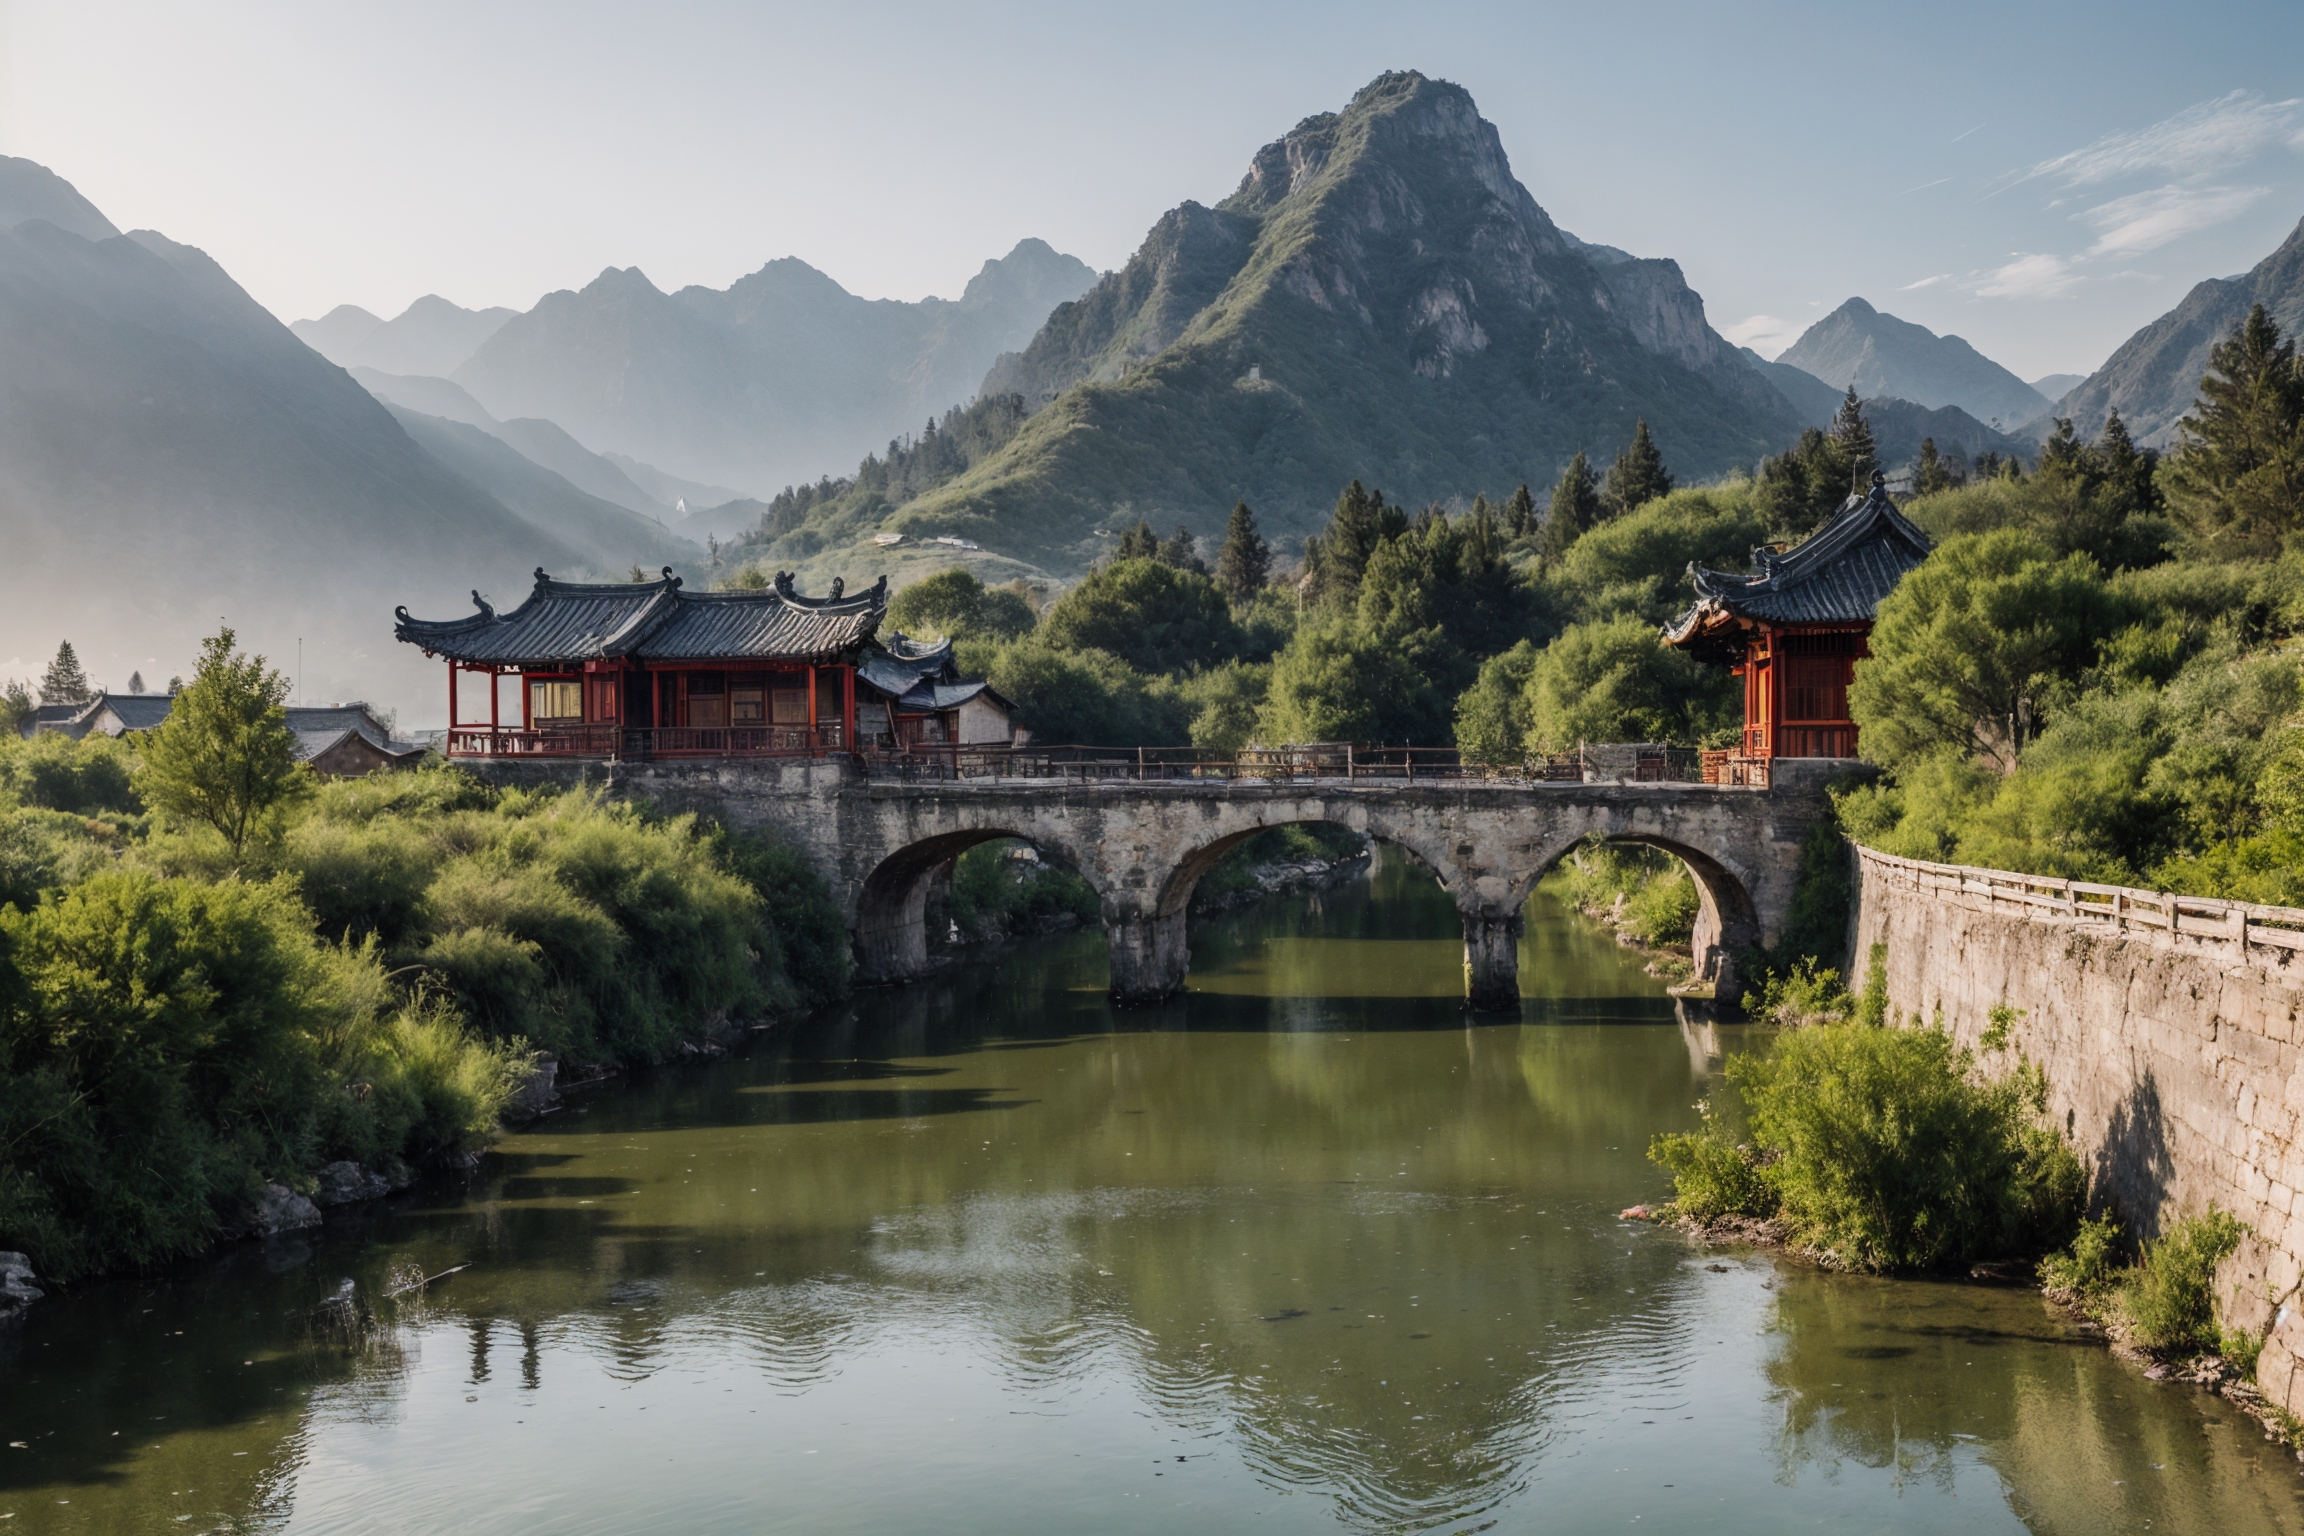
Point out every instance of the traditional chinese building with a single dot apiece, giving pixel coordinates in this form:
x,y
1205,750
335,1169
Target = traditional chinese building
x,y
914,699
1795,629
631,669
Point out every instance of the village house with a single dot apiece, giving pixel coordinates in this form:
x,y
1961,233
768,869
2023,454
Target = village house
x,y
1795,629
649,669
341,741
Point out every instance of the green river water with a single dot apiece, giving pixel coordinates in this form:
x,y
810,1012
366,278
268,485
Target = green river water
x,y
1307,1251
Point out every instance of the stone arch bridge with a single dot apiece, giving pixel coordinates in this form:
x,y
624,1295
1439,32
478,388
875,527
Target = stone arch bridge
x,y
1143,845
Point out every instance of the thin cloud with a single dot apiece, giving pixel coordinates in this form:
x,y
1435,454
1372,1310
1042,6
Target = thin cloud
x,y
2027,276
1924,186
2202,139
2145,221
1958,137
1927,282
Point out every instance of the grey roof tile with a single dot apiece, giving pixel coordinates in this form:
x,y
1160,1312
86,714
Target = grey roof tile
x,y
563,623
1838,576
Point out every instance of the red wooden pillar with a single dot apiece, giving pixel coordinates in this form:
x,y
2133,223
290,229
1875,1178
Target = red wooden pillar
x,y
451,703
814,745
495,698
848,708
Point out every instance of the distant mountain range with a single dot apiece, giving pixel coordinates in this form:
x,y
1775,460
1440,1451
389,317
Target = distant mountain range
x,y
1378,299
172,456
2155,375
1882,355
780,378
431,336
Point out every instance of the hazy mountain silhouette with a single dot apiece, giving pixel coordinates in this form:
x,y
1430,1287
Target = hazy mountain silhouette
x,y
171,456
542,442
781,377
2155,375
1882,355
1378,299
430,336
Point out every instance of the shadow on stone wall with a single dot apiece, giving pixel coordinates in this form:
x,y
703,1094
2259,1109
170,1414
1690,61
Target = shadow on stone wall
x,y
2134,1166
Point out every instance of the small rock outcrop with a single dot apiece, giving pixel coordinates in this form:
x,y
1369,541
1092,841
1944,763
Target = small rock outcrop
x,y
281,1209
17,1290
342,1183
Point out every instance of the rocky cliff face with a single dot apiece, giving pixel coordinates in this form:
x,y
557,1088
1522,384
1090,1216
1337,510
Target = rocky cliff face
x,y
2155,375
1378,298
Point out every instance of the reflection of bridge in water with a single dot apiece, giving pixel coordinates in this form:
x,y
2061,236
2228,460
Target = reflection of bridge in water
x,y
1143,842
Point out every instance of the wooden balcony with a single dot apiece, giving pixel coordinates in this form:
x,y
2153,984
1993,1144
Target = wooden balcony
x,y
609,740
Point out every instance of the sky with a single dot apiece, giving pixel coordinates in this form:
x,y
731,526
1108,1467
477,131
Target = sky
x,y
2041,179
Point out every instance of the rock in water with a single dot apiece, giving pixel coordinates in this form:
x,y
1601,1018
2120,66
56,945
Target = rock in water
x,y
536,1094
283,1210
342,1183
16,1288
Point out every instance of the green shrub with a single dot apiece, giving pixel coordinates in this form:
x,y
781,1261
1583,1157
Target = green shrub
x,y
1712,1177
2169,1296
1805,994
91,777
2089,1264
993,892
1881,1148
1649,894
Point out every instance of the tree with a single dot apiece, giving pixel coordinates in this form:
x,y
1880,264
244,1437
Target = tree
x,y
1854,435
1615,681
1969,649
1934,473
1182,552
1335,557
15,706
2237,476
1575,508
956,604
1139,543
1245,563
224,755
1152,616
64,682
1520,513
1638,476
1337,682
135,682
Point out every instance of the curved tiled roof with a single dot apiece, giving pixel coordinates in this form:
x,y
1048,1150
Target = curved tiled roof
x,y
1837,577
565,622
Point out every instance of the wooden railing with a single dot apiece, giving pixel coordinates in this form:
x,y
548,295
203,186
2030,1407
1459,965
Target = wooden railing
x,y
2233,927
1735,768
611,740
1321,762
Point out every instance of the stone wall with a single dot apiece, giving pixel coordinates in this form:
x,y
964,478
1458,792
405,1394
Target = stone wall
x,y
2172,1033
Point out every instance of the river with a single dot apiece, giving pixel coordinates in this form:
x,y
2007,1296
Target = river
x,y
1307,1251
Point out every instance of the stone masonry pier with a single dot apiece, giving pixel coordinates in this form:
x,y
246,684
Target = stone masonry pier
x,y
1143,845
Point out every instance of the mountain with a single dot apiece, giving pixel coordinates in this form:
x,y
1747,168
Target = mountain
x,y
1379,298
2155,375
171,455
430,336
669,490
1882,355
605,537
541,442
1815,400
1899,425
2056,386
776,379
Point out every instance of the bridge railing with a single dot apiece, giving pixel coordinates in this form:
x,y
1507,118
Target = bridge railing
x,y
1304,762
2241,929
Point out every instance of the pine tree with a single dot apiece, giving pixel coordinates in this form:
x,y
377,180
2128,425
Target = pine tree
x,y
2238,476
1932,474
1139,543
1520,513
1245,562
64,682
1182,551
1638,476
135,682
1576,506
1854,435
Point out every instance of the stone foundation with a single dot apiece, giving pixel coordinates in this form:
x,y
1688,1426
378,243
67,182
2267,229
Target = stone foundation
x,y
2176,1060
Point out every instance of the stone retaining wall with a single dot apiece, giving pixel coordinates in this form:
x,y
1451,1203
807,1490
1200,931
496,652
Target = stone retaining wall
x,y
2172,1033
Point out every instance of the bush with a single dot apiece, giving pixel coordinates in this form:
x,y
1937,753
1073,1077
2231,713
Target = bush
x,y
994,892
1646,892
2088,1266
1803,995
92,777
2169,1297
1712,1178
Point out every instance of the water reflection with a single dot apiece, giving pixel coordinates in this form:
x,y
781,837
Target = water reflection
x,y
985,1256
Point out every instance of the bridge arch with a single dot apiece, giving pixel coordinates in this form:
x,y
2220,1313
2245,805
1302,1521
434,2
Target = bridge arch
x,y
890,925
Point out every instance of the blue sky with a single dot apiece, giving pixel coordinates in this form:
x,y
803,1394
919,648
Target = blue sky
x,y
2040,179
